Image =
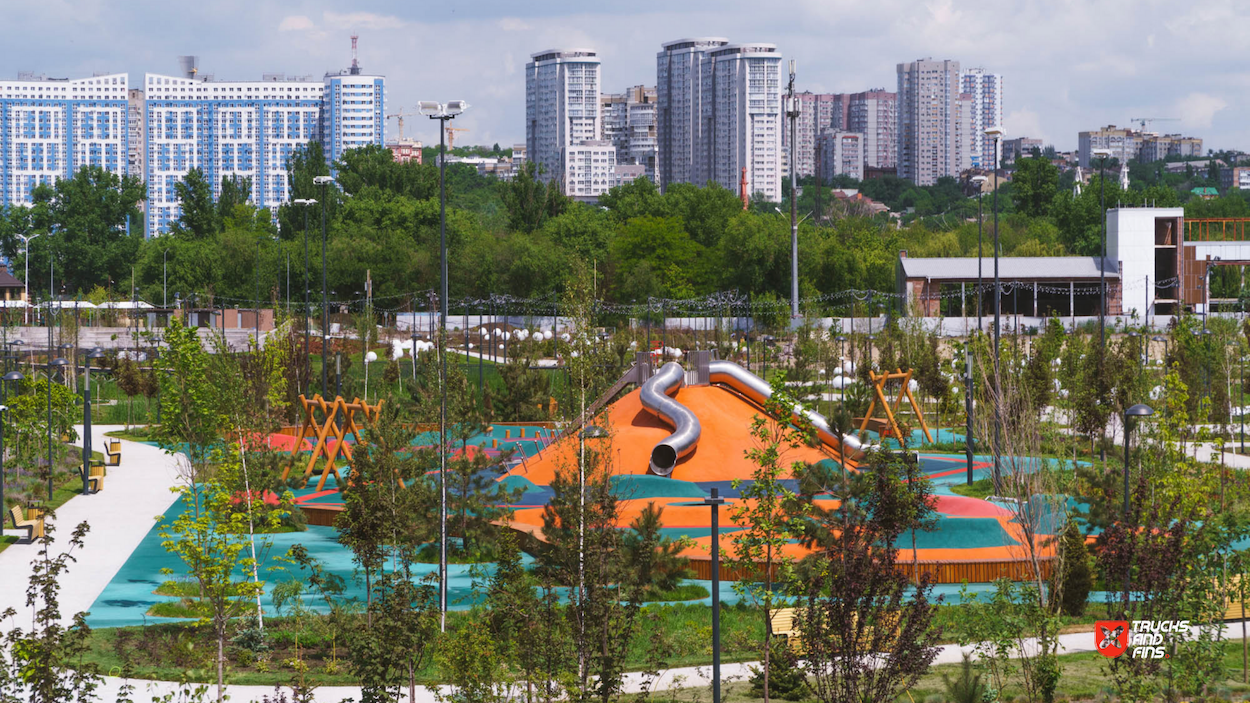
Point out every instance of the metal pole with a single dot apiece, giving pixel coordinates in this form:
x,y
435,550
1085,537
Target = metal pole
x,y
442,353
998,308
164,279
86,429
1127,435
794,200
715,501
980,283
968,390
1102,265
325,309
256,320
307,305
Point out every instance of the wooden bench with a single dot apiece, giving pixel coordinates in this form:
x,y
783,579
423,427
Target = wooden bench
x,y
785,623
33,526
113,453
95,479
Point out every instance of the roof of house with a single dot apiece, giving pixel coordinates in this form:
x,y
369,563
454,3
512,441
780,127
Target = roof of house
x,y
7,280
1012,268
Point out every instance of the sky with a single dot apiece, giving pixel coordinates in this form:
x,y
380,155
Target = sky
x,y
1068,65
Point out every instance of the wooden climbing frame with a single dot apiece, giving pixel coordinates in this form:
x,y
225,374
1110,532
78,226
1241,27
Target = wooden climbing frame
x,y
889,427
326,429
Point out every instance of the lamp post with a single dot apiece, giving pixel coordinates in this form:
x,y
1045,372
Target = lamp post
x,y
324,181
714,502
96,353
165,278
1138,410
980,181
26,281
58,362
443,113
1103,155
997,134
305,203
792,112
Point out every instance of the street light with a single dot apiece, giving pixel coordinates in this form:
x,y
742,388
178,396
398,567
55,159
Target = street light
x,y
997,134
58,362
1161,338
26,281
305,203
1138,410
714,502
1103,155
96,353
324,181
443,112
792,112
980,181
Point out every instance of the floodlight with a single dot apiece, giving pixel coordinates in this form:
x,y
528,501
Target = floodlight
x,y
455,107
980,179
304,201
322,180
430,108
1101,153
994,131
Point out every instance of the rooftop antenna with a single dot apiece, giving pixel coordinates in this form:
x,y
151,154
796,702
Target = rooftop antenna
x,y
355,64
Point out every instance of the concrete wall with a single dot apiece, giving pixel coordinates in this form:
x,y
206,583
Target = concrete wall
x,y
36,338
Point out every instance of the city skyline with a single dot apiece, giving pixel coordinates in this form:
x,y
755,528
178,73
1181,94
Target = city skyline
x,y
1101,73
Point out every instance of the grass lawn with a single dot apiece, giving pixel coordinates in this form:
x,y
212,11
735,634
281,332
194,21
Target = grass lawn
x,y
134,434
6,540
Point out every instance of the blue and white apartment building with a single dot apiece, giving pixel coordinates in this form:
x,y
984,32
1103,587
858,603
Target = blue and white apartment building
x,y
50,128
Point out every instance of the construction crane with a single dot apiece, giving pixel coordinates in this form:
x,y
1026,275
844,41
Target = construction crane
x,y
399,116
1144,120
451,135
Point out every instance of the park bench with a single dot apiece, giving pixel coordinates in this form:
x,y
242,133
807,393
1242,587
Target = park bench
x,y
113,453
95,478
785,624
33,526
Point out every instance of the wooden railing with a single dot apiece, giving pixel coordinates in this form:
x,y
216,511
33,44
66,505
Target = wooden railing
x,y
1217,229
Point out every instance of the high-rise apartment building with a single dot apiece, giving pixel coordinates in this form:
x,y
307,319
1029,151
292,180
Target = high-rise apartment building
x,y
816,115
243,129
680,125
742,104
629,123
50,128
353,110
136,133
561,107
873,113
1123,143
986,90
928,149
841,154
589,168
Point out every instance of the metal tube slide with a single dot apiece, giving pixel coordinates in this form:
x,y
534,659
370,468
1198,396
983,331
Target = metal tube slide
x,y
758,390
686,430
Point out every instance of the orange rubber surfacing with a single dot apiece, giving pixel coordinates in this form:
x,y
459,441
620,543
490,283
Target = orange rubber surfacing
x,y
725,419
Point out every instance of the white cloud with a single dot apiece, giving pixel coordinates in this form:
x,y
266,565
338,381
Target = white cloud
x,y
295,23
513,24
1198,109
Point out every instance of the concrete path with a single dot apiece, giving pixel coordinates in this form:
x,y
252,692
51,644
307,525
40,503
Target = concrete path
x,y
120,516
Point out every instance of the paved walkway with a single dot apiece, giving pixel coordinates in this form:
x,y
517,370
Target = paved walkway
x,y
120,515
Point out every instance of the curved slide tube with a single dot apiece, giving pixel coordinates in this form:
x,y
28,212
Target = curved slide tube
x,y
758,390
686,430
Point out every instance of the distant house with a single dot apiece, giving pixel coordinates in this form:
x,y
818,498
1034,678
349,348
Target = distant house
x,y
11,289
1206,192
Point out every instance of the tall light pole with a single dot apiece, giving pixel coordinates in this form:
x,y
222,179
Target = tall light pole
x,y
1138,410
997,134
58,362
96,353
9,377
1103,155
980,181
792,112
26,278
324,181
305,203
443,113
165,278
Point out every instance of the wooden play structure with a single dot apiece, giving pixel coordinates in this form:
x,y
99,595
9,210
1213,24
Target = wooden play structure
x,y
888,427
330,433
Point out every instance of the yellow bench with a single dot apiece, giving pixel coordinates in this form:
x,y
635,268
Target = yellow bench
x,y
113,453
95,479
33,525
785,623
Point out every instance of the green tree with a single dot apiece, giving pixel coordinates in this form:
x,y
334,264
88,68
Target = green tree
x,y
531,200
655,257
1035,183
199,218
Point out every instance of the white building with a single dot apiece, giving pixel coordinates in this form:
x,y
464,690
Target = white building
x,y
561,107
986,90
50,128
841,154
589,168
680,125
629,122
244,129
742,104
353,112
927,145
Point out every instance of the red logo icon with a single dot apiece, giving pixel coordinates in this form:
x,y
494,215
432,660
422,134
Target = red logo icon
x,y
1111,637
